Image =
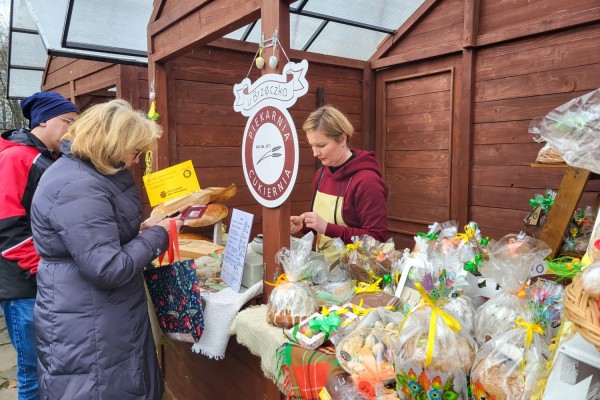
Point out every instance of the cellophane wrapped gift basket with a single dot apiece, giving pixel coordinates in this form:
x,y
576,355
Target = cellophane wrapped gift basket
x,y
367,259
508,365
510,262
367,354
435,348
433,355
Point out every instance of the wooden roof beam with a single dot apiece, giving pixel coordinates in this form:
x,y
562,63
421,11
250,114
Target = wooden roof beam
x,y
189,25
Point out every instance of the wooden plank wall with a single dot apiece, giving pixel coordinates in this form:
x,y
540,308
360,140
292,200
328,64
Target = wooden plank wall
x,y
516,82
209,132
529,57
85,83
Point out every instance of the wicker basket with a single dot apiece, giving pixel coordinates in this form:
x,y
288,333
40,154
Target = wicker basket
x,y
581,308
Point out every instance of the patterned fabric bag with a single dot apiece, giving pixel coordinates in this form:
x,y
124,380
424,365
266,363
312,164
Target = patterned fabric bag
x,y
175,294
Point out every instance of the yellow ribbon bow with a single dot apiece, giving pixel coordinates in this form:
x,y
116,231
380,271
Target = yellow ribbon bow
x,y
359,310
469,234
435,312
530,327
281,279
364,287
353,246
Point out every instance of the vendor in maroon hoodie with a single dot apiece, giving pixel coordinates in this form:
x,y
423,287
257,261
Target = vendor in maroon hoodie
x,y
349,196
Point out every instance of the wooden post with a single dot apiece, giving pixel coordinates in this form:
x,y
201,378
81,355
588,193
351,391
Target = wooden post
x,y
275,16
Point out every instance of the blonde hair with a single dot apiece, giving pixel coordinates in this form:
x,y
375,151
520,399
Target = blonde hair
x,y
331,121
104,133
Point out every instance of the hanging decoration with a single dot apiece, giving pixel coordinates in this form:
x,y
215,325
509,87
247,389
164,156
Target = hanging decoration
x,y
153,115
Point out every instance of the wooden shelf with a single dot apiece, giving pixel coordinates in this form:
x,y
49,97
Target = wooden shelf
x,y
540,165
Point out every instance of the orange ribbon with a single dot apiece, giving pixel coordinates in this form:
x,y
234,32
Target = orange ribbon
x,y
373,375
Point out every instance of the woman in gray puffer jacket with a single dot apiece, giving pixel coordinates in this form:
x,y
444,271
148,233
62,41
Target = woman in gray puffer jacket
x,y
93,333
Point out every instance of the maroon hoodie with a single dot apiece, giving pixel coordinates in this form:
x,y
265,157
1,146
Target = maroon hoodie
x,y
358,186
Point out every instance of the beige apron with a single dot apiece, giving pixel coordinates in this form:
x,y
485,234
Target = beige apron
x,y
323,205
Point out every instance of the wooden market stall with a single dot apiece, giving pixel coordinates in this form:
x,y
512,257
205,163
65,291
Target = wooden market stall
x,y
87,82
446,103
457,88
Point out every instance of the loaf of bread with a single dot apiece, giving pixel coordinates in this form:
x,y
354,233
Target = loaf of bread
x,y
214,213
199,197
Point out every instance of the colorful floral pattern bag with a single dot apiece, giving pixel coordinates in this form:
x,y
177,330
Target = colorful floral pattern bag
x,y
175,294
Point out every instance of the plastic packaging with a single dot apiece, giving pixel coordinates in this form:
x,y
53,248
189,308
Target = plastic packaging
x,y
573,129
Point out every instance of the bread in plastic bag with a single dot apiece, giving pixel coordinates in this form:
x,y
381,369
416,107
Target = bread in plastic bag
x,y
506,366
573,129
509,265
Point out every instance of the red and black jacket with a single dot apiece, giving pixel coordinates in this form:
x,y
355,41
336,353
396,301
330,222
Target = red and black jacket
x,y
23,160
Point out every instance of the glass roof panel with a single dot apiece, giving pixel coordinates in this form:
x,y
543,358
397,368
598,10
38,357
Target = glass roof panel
x,y
237,34
389,14
301,30
51,17
334,40
112,25
27,50
21,17
23,83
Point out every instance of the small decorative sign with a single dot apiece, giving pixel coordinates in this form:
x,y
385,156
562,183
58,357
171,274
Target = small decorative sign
x,y
235,249
270,150
171,183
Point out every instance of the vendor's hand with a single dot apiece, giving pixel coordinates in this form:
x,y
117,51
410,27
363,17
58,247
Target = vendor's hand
x,y
314,221
296,224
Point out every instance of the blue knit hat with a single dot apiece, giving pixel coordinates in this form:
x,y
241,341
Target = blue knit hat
x,y
43,106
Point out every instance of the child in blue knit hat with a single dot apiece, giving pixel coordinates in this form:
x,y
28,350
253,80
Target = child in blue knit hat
x,y
24,156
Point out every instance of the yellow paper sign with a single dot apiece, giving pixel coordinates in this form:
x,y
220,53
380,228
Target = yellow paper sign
x,y
170,183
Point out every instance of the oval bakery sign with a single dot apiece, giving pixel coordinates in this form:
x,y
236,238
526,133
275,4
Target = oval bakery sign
x,y
270,145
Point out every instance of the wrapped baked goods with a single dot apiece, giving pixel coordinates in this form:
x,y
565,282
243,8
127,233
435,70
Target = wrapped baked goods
x,y
320,327
505,368
367,259
510,262
290,303
335,293
444,280
293,301
433,355
464,308
367,355
297,264
379,318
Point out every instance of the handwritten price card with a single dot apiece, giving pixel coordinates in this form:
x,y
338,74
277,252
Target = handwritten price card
x,y
235,249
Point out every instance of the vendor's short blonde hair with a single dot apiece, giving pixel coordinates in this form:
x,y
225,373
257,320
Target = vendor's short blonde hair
x,y
106,132
331,122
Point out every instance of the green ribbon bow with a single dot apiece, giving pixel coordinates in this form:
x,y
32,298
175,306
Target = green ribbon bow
x,y
471,266
484,241
386,280
430,236
325,324
541,201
